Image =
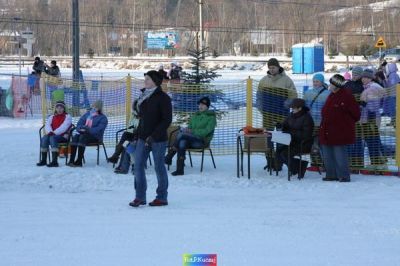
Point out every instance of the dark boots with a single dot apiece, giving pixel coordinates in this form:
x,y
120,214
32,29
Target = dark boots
x,y
81,151
78,162
295,167
72,157
180,164
42,159
114,158
168,158
54,162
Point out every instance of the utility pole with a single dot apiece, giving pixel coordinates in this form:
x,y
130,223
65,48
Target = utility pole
x,y
75,40
133,27
201,24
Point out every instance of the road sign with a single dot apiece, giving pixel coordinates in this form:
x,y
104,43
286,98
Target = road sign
x,y
380,43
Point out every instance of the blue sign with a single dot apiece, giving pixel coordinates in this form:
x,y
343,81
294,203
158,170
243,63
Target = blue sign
x,y
162,40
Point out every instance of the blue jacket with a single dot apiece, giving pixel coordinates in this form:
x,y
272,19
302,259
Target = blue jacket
x,y
99,125
315,109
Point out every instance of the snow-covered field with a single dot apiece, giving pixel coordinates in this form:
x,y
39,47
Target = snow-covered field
x,y
69,216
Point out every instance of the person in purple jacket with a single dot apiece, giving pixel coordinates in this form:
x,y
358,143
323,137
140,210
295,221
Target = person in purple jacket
x,y
389,102
370,100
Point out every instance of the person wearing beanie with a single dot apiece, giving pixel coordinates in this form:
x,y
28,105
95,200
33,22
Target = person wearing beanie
x,y
356,150
90,129
390,83
337,130
315,99
163,73
57,127
154,109
197,135
38,66
370,101
300,125
53,69
175,72
274,93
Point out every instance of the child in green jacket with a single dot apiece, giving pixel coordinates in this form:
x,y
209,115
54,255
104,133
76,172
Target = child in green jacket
x,y
197,135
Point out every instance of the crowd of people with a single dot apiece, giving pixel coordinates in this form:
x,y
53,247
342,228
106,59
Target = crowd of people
x,y
333,120
345,114
147,132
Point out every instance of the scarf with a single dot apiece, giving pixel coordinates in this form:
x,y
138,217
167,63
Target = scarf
x,y
144,96
89,119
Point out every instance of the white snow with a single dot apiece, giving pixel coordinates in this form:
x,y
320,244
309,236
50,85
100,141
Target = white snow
x,y
69,216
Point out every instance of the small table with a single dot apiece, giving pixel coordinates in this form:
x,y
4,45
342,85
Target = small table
x,y
239,149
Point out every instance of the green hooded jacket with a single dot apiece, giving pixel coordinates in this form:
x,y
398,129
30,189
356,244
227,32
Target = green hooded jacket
x,y
203,124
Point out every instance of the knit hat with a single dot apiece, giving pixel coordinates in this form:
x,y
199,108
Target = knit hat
x,y
347,76
368,73
54,62
37,58
273,62
297,103
60,103
337,80
320,77
205,100
155,76
357,71
98,104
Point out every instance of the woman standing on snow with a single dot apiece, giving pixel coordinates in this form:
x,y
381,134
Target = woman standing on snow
x,y
155,111
337,130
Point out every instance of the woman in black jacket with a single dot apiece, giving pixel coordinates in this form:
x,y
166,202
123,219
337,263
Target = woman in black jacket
x,y
300,125
154,109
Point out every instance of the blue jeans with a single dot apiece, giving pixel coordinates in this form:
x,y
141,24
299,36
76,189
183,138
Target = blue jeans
x,y
127,154
336,161
141,154
52,141
185,141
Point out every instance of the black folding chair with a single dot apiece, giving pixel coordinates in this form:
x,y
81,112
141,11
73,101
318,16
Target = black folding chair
x,y
64,145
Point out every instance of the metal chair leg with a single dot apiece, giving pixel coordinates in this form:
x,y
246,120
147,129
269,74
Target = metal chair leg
x,y
190,158
98,154
202,160
212,158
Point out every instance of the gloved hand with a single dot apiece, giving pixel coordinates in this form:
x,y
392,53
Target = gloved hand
x,y
149,141
51,133
278,126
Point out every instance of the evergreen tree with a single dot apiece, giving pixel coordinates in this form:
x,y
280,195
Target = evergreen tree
x,y
196,84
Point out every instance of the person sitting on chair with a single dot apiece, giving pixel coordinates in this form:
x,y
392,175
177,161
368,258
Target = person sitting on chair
x,y
300,125
57,127
128,144
197,135
90,128
128,135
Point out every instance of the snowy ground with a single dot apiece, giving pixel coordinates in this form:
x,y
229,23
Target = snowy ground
x,y
71,216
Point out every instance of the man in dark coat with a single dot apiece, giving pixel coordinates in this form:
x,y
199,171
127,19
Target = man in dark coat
x,y
356,150
339,116
300,125
38,66
155,116
53,69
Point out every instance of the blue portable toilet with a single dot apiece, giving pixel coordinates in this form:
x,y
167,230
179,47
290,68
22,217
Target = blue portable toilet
x,y
297,58
313,58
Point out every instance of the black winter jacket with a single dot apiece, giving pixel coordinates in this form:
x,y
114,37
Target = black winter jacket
x,y
155,116
300,126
